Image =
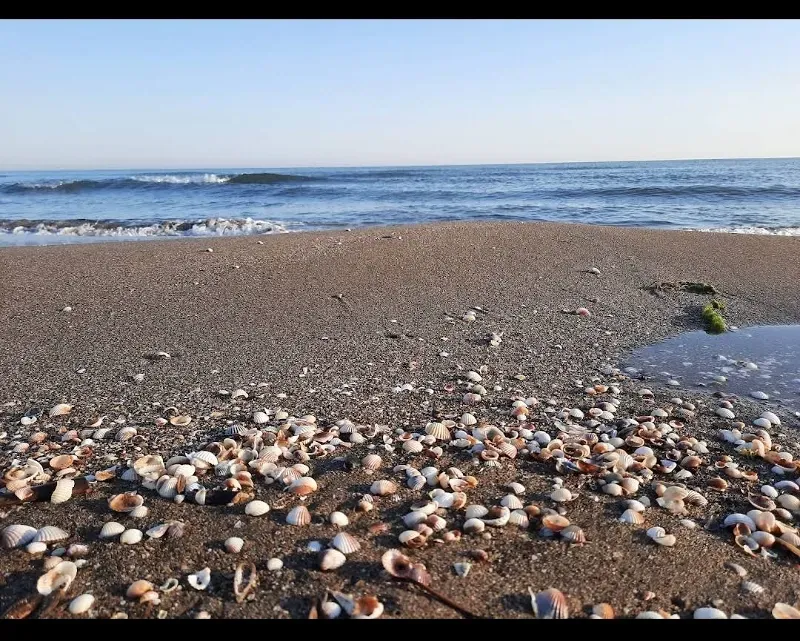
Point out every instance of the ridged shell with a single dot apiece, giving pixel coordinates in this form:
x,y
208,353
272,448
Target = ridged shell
x,y
416,482
61,462
632,517
200,580
17,536
473,526
167,487
50,534
573,534
476,511
203,457
131,537
61,576
468,419
63,491
519,518
383,488
256,508
180,421
125,502
346,543
302,486
62,409
371,462
785,611
299,516
339,519
111,529
412,447
331,559
512,502
260,418
438,430
561,495
549,604
234,544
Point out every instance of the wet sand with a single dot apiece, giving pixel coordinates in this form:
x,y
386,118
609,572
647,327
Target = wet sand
x,y
334,321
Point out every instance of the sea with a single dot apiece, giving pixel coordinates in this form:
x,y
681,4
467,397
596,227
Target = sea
x,y
759,196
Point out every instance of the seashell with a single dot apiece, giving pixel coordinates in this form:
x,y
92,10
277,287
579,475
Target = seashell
x,y
81,604
125,434
62,409
792,538
516,488
61,576
62,491
176,529
36,548
561,495
345,543
372,462
181,420
49,534
512,502
764,539
603,611
632,517
519,518
416,482
125,502
555,522
151,464
473,526
111,529
438,430
736,518
772,418
718,483
573,534
138,589
256,508
203,460
709,613
656,532
131,537
549,604
303,486
157,531
200,580
17,536
61,462
235,430
412,538
331,559
695,498
168,487
260,418
614,489
785,611
383,488
462,568
497,516
475,511
339,519
724,412
789,502
764,521
299,516
629,485
468,419
412,447
234,544
667,541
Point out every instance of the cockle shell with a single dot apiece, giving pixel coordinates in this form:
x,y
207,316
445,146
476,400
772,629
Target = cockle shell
x,y
111,529
412,447
475,512
733,519
299,516
302,486
50,534
555,522
383,488
512,502
561,495
131,537
371,462
63,491
632,517
62,409
346,543
125,502
149,464
61,576
473,526
339,519
17,536
573,534
234,544
256,508
438,430
81,604
331,559
200,580
549,604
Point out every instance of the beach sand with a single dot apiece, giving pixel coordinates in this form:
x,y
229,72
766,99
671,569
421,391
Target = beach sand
x,y
334,321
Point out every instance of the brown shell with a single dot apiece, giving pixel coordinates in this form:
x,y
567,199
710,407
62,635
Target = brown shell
x,y
125,502
549,604
61,462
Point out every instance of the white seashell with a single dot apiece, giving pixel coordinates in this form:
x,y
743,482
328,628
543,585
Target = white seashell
x,y
733,519
383,488
752,588
139,512
331,559
636,506
200,580
474,526
772,418
234,544
789,502
614,489
371,462
412,447
497,517
762,423
632,517
16,536
81,604
111,529
656,532
36,548
61,409
561,495
724,412
709,613
512,502
61,576
302,486
63,491
50,534
516,488
759,395
345,543
299,516
414,518
131,537
260,418
203,460
256,508
519,518
339,519
167,487
468,419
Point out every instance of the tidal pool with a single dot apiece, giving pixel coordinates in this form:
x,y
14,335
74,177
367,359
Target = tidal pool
x,y
753,361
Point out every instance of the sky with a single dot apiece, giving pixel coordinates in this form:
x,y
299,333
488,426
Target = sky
x,y
97,94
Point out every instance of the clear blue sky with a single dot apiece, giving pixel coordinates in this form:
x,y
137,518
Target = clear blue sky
x,y
225,93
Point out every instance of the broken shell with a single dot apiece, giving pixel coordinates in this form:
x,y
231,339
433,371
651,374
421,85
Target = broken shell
x,y
200,580
299,516
234,544
346,543
256,508
125,502
180,421
367,607
61,576
549,604
412,539
62,491
244,580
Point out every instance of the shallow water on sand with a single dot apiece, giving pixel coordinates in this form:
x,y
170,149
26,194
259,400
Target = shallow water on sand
x,y
754,359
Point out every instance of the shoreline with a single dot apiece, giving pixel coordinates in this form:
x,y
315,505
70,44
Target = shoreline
x,y
329,323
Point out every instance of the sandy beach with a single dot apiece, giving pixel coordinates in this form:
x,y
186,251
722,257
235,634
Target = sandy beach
x,y
329,324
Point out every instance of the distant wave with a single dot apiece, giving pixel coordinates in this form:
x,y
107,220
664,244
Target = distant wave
x,y
678,191
759,231
115,228
150,181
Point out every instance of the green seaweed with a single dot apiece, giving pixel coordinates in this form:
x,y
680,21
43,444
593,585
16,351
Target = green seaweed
x,y
715,323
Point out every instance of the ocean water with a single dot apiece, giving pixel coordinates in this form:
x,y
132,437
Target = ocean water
x,y
741,196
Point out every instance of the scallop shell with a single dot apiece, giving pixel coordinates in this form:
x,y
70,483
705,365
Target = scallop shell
x,y
131,537
203,459
438,430
81,604
473,526
260,418
371,462
476,511
149,464
125,502
62,409
302,486
383,488
561,495
512,502
519,518
345,543
200,580
299,516
339,519
256,508
632,517
17,536
412,447
50,534
549,604
234,544
468,419
61,576
111,529
331,559
63,491
573,534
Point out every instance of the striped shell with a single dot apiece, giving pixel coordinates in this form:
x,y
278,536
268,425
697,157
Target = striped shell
x,y
383,488
549,604
167,487
519,518
345,543
111,529
131,537
63,491
16,536
62,409
507,449
412,447
573,534
632,517
512,502
438,430
50,534
235,430
148,465
371,462
299,516
302,486
203,459
260,418
468,419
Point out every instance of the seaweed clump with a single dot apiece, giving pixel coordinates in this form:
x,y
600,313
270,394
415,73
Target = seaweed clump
x,y
712,315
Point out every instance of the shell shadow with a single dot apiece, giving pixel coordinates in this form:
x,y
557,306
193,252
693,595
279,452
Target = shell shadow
x,y
516,603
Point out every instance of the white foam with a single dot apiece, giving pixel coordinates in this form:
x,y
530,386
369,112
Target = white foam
x,y
182,179
761,231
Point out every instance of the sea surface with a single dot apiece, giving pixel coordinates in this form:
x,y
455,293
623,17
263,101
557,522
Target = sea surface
x,y
740,196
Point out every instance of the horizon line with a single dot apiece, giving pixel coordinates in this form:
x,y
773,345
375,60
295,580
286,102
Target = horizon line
x,y
387,166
